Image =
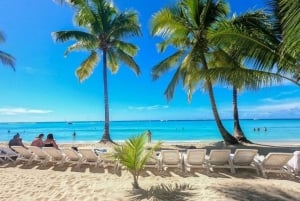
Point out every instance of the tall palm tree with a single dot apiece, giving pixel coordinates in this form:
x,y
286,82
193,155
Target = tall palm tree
x,y
105,29
6,58
185,26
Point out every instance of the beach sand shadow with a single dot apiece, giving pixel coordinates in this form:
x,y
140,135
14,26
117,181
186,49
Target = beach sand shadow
x,y
178,192
258,192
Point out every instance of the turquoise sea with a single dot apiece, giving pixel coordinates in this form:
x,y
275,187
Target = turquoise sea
x,y
277,131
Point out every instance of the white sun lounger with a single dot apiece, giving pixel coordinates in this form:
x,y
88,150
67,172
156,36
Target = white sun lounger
x,y
219,158
72,156
244,158
7,154
275,162
39,154
170,158
153,161
23,154
89,157
55,155
195,158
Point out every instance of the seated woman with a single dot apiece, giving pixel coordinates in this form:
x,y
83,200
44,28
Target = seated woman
x,y
38,141
50,142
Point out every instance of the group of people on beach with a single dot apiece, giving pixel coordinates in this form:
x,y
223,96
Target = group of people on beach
x,y
38,141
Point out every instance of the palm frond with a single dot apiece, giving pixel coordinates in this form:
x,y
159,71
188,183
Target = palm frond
x,y
241,77
2,38
166,64
125,24
81,45
63,36
112,62
129,48
128,60
169,92
87,66
7,59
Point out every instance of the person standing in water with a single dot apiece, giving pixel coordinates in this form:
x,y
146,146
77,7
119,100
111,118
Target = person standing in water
x,y
149,135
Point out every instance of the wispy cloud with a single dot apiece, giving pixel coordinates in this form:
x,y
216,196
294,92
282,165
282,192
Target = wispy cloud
x,y
150,107
17,111
274,109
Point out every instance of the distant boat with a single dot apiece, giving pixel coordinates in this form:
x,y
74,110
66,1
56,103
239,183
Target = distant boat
x,y
69,122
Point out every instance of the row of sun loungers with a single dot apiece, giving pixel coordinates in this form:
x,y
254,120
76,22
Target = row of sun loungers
x,y
192,158
47,155
222,158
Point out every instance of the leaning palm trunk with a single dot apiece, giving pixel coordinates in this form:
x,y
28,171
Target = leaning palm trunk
x,y
228,139
106,136
237,131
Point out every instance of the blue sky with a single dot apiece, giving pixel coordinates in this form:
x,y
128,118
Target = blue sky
x,y
45,88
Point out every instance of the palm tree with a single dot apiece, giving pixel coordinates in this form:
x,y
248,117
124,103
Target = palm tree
x,y
105,30
232,56
272,43
133,154
186,26
6,58
228,69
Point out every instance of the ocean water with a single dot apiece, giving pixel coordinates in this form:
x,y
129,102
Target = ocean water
x,y
278,131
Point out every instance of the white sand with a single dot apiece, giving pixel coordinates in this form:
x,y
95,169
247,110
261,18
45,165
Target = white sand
x,y
34,182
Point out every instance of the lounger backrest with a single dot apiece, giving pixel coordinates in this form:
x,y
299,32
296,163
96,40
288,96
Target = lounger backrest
x,y
170,157
195,156
219,156
22,151
53,152
152,160
244,156
71,154
7,151
88,154
275,160
38,152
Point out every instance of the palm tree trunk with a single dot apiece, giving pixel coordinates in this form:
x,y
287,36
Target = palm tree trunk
x,y
237,131
228,138
135,183
106,135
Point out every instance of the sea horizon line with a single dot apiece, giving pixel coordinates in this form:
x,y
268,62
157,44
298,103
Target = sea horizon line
x,y
154,120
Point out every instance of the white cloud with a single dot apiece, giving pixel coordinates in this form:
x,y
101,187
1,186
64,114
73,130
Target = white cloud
x,y
17,111
150,107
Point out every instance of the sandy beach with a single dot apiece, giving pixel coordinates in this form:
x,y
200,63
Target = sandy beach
x,y
34,182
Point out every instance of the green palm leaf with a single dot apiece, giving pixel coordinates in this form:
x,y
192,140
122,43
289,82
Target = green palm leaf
x,y
86,68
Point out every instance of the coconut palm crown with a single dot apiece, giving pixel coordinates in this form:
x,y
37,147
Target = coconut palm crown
x,y
104,31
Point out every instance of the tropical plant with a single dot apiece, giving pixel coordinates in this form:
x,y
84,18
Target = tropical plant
x,y
133,154
105,28
269,42
6,58
252,26
185,27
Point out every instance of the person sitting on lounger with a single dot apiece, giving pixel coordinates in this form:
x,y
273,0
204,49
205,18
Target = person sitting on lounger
x,y
38,141
16,141
50,142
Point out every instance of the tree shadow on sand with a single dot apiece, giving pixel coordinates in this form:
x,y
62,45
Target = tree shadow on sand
x,y
260,192
178,192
